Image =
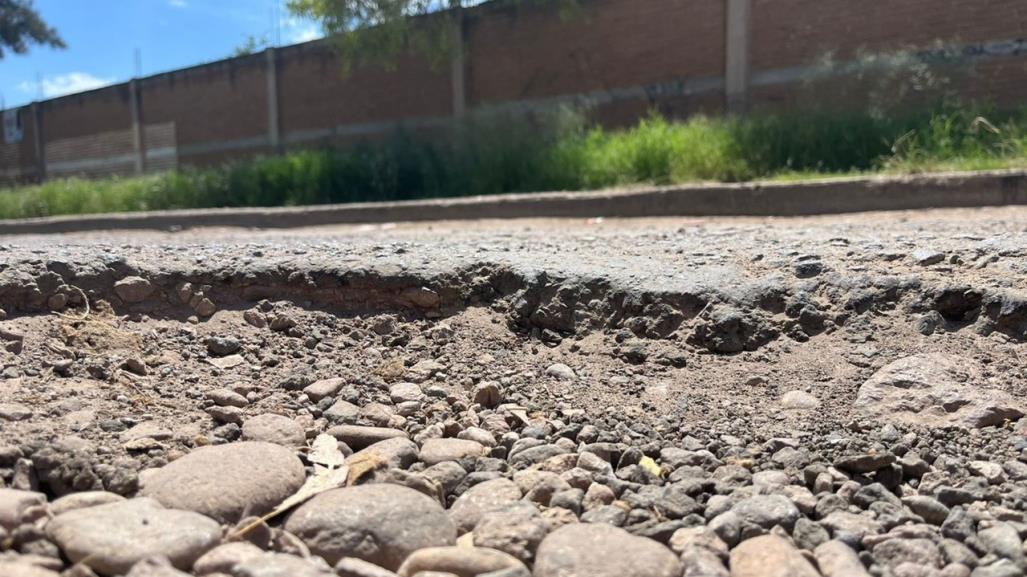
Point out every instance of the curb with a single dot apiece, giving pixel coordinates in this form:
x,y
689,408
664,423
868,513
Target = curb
x,y
832,196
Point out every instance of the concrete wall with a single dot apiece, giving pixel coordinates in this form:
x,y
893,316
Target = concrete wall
x,y
620,57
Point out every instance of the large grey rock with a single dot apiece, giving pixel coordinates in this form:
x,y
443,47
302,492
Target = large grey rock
x,y
227,482
112,538
935,390
480,499
600,550
381,524
769,556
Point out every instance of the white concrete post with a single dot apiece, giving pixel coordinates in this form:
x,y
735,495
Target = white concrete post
x,y
138,144
736,61
274,135
457,64
38,140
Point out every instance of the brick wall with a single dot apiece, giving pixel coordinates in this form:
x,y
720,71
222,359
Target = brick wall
x,y
620,58
792,35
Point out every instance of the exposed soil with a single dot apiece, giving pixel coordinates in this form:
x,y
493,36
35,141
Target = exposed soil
x,y
680,333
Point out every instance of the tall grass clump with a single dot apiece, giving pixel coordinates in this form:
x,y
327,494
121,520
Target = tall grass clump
x,y
492,153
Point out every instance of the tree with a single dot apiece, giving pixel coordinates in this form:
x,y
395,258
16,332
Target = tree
x,y
251,45
21,25
380,30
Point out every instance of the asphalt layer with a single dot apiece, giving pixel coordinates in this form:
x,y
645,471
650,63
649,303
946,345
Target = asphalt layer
x,y
811,378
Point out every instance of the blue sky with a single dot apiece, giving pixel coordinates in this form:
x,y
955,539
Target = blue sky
x,y
103,35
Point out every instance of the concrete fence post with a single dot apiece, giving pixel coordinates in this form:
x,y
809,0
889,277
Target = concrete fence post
x,y
38,140
274,134
736,55
138,142
458,66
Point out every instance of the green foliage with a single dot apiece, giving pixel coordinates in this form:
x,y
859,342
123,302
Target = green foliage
x,y
380,31
493,153
20,25
251,45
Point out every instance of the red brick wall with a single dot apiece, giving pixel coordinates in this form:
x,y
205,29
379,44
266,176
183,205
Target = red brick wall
x,y
315,92
102,110
223,101
630,56
798,33
528,53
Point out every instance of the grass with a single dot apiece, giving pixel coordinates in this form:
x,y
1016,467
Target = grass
x,y
491,154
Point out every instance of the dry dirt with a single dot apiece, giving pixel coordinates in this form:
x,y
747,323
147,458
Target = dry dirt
x,y
676,333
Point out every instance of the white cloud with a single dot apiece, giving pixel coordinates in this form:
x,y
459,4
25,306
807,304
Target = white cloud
x,y
295,30
62,84
305,34
178,3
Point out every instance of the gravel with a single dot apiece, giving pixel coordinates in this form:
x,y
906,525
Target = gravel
x,y
720,398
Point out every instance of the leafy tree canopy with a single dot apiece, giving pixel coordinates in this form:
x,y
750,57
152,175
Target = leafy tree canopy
x,y
21,25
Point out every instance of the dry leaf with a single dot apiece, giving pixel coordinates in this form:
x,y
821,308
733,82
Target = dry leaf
x,y
330,472
363,463
324,451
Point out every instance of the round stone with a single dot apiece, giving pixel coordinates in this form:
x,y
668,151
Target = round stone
x,y
133,289
276,429
769,556
358,437
111,538
460,561
226,482
404,392
480,499
382,524
82,500
435,451
600,550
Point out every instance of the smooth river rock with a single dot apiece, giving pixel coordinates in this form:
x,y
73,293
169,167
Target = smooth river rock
x,y
381,524
111,538
601,550
227,482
